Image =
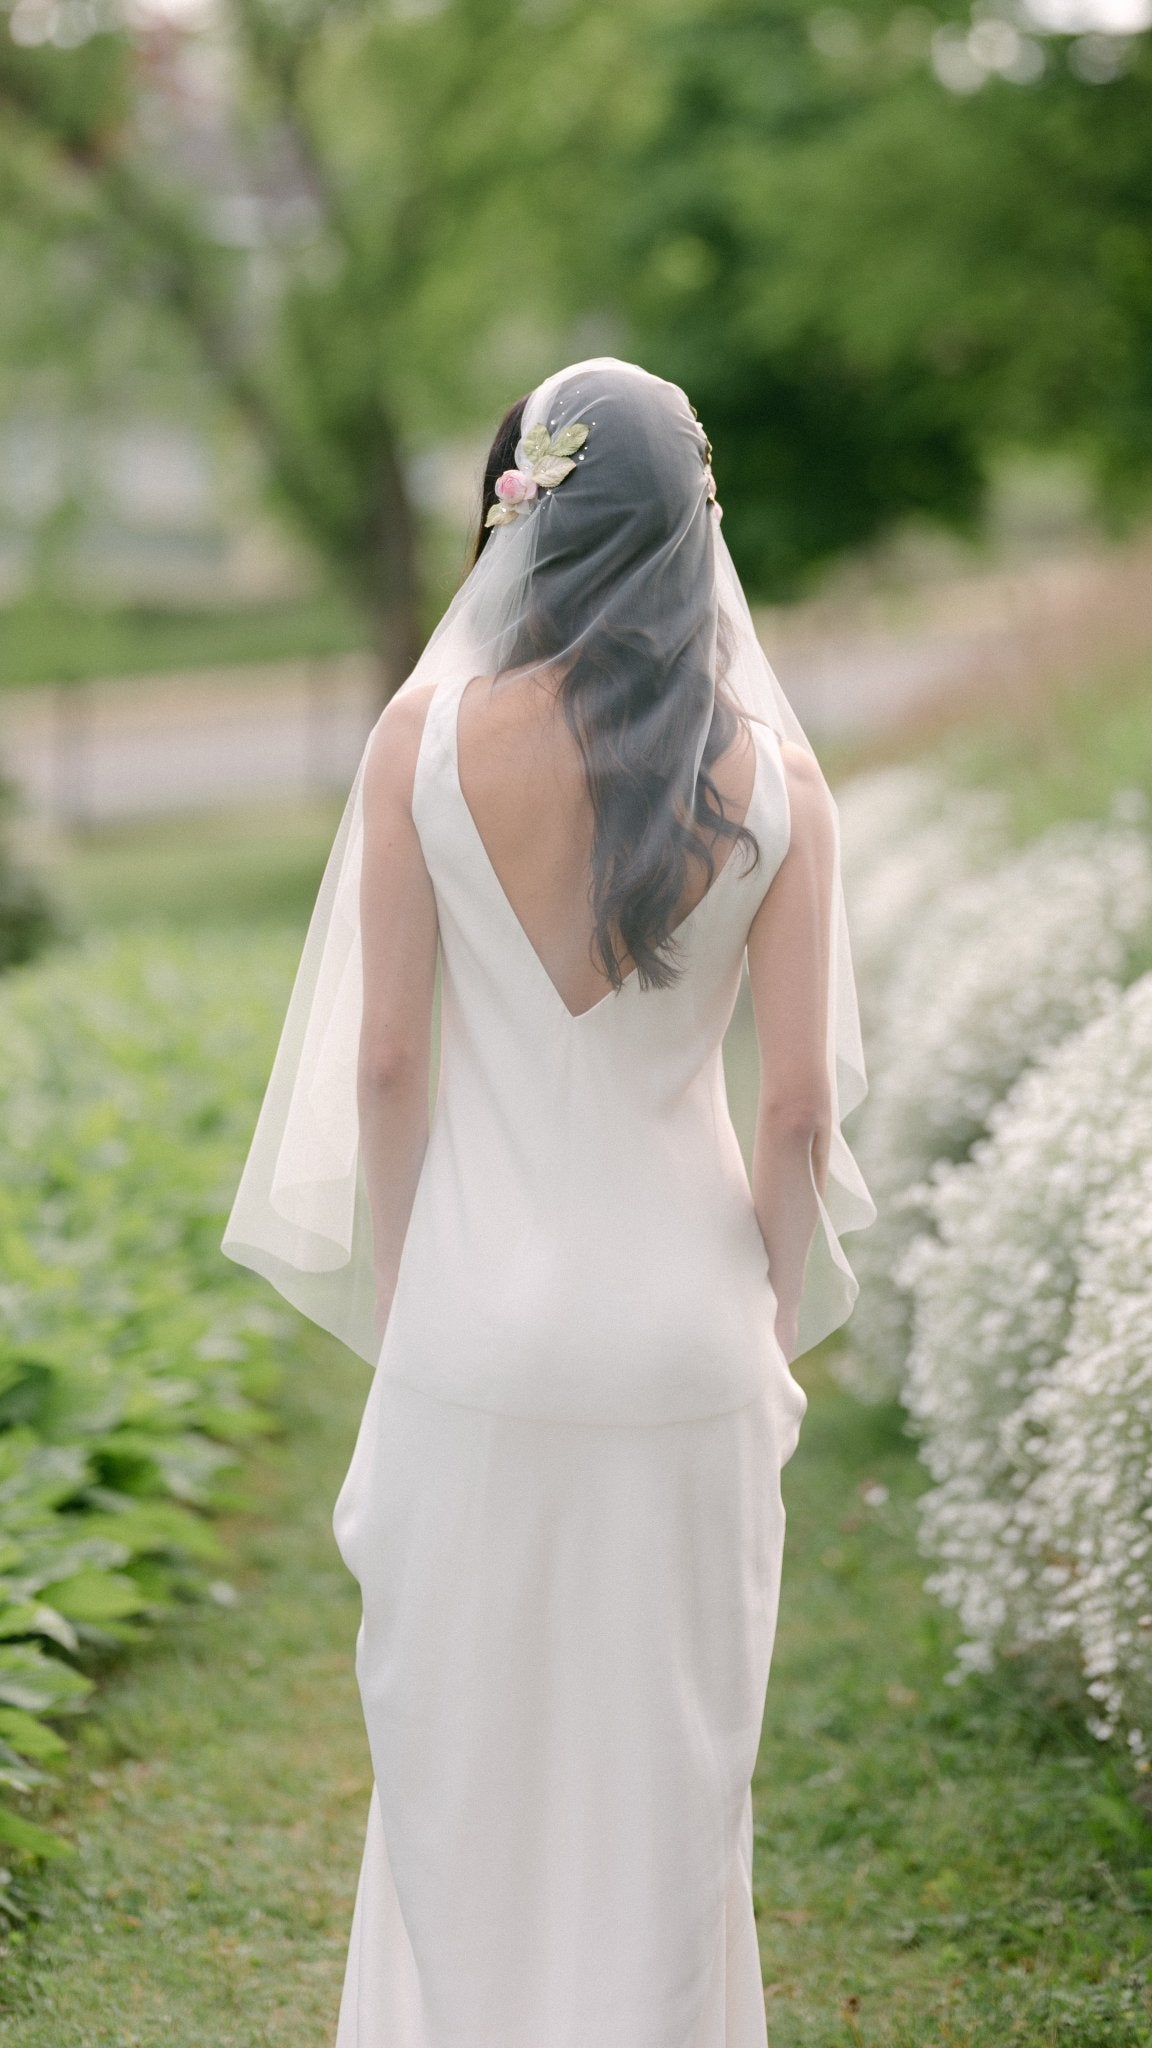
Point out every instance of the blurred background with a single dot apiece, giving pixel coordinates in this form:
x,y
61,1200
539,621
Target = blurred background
x,y
268,274
270,271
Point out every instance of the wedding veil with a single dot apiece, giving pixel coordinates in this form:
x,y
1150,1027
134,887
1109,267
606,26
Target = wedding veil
x,y
611,552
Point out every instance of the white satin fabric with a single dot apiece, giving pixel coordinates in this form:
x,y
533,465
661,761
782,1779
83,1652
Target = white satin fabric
x,y
564,1504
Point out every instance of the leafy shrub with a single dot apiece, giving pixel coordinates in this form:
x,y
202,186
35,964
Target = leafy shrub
x,y
993,968
134,1360
1030,1374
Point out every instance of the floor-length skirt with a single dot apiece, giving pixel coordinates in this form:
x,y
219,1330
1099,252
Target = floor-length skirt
x,y
563,1662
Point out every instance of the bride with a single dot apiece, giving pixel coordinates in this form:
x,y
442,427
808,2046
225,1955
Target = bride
x,y
586,810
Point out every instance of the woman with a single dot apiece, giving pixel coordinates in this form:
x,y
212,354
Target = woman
x,y
589,804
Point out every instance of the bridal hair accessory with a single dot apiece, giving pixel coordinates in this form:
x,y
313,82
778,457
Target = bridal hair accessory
x,y
637,569
547,463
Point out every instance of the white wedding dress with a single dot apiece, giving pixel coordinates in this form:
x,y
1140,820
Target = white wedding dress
x,y
564,1505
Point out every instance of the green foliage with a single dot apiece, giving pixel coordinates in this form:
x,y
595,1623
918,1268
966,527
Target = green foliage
x,y
257,867
27,915
135,1363
83,93
820,440
870,285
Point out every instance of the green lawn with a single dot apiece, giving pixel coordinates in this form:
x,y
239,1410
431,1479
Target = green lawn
x,y
1064,750
1068,752
44,641
221,868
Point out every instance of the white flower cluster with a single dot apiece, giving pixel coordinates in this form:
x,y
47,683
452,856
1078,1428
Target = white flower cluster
x,y
1030,1373
967,983
905,838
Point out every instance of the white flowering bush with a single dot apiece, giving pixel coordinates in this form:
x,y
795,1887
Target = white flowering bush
x,y
135,1361
992,969
906,836
1030,1371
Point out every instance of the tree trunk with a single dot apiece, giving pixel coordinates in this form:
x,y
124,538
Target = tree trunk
x,y
389,577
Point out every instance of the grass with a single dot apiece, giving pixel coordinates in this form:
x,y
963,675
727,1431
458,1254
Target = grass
x,y
1061,750
1063,753
938,1867
225,868
51,642
934,1869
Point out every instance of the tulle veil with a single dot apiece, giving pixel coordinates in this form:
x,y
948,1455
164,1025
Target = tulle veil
x,y
656,580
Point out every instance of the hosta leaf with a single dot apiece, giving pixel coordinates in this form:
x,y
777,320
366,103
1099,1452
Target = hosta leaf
x,y
16,1774
150,1526
24,1834
569,439
38,1683
57,1553
27,1388
551,470
97,1596
34,1618
30,1736
16,1618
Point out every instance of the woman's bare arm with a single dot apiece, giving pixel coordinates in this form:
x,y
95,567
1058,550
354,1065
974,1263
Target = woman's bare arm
x,y
398,923
788,963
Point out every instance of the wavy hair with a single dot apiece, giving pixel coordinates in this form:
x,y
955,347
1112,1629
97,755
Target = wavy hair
x,y
623,603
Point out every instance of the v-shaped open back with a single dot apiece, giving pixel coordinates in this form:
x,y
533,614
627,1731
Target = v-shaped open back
x,y
524,927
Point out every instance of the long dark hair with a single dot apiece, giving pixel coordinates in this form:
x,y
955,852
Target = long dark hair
x,y
501,456
633,680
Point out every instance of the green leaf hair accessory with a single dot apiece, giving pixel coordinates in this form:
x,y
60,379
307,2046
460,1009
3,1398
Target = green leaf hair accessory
x,y
547,462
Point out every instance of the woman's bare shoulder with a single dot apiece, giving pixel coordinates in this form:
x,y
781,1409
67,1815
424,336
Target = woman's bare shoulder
x,y
809,799
394,748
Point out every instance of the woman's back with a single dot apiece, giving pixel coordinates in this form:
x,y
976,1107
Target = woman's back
x,y
524,781
583,1244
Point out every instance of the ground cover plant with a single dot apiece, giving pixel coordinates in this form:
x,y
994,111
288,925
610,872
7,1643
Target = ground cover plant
x,y
135,1363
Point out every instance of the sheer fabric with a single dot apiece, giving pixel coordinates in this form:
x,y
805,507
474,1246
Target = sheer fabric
x,y
627,551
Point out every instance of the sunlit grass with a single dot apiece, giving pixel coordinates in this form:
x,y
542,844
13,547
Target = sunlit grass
x,y
44,641
1065,749
221,868
1069,751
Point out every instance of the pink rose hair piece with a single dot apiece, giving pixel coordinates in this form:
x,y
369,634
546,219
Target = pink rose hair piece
x,y
546,463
